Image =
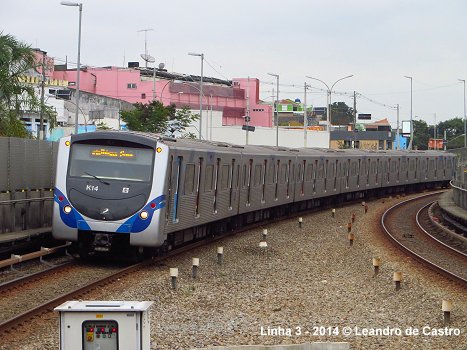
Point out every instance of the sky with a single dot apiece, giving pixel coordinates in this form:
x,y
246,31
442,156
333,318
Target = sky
x,y
377,41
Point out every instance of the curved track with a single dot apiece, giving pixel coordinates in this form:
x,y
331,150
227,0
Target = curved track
x,y
400,224
426,224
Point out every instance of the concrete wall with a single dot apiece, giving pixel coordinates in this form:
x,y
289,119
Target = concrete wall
x,y
27,172
213,130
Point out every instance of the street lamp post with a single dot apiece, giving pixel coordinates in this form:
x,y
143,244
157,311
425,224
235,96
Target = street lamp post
x,y
411,125
465,123
329,91
78,68
201,91
305,118
277,108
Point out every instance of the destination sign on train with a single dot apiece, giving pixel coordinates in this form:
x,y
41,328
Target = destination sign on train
x,y
105,153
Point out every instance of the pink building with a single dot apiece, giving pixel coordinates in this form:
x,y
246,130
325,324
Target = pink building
x,y
137,85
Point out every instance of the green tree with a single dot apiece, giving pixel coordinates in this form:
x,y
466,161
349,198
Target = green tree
x,y
454,130
16,59
421,134
102,126
179,120
150,117
341,114
156,118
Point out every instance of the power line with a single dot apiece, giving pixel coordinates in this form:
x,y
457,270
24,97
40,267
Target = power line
x,y
215,70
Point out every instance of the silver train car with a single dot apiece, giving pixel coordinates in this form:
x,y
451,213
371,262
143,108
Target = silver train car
x,y
128,192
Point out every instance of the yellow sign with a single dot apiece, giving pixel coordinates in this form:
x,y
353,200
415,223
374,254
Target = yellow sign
x,y
90,336
102,152
99,315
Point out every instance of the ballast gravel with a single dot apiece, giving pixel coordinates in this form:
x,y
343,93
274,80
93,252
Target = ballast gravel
x,y
308,285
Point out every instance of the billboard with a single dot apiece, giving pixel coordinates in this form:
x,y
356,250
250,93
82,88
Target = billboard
x,y
406,127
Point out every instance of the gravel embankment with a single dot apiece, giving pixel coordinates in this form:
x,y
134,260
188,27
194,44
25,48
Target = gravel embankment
x,y
307,278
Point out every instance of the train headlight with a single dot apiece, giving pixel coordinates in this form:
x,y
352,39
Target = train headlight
x,y
143,215
67,209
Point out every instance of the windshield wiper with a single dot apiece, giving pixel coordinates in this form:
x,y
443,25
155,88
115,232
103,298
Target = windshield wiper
x,y
97,178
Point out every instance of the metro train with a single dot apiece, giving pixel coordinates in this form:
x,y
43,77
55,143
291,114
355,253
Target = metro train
x,y
127,192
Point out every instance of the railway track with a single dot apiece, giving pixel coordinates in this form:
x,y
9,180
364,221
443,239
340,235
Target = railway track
x,y
452,240
401,223
22,291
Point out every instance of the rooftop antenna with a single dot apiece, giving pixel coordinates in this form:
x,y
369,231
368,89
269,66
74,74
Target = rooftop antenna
x,y
146,42
148,58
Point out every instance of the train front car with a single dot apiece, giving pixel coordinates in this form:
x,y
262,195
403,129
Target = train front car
x,y
109,192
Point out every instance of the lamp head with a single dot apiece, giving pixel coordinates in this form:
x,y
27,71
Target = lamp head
x,y
69,3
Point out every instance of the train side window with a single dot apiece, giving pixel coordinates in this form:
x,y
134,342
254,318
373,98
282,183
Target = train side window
x,y
250,169
231,183
177,189
320,169
358,172
198,183
290,170
271,173
169,199
276,178
208,178
216,184
378,170
237,176
347,173
264,181
416,167
301,175
189,179
326,175
335,174
244,177
368,172
258,174
398,168
309,172
353,169
283,174
225,177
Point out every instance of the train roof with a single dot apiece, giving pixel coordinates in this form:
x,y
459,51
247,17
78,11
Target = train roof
x,y
151,139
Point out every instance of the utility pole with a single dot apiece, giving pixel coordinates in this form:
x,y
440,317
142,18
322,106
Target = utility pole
x,y
444,140
397,131
273,116
435,133
146,42
40,134
305,119
354,117
247,116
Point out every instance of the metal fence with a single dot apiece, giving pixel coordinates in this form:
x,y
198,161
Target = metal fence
x,y
459,186
461,155
27,177
27,164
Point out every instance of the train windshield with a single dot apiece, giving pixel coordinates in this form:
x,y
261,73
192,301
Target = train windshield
x,y
111,162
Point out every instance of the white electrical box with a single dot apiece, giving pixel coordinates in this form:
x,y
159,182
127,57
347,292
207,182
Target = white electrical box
x,y
104,325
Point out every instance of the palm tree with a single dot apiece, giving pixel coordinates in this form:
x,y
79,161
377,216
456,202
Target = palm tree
x,y
16,59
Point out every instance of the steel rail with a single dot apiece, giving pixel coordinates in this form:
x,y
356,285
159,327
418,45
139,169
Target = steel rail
x,y
20,281
410,252
48,306
420,226
15,259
